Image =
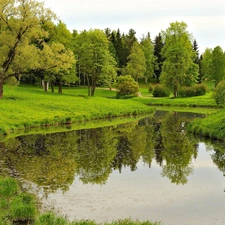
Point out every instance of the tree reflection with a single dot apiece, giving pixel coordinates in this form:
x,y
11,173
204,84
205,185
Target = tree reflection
x,y
178,149
97,149
43,159
53,161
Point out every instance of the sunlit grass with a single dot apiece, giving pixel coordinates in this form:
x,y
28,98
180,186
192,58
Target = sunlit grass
x,y
25,107
29,106
212,126
50,218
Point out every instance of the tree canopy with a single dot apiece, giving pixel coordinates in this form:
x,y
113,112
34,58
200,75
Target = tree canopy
x,y
178,66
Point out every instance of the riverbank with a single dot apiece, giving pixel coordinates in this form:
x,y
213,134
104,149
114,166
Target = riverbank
x,y
26,108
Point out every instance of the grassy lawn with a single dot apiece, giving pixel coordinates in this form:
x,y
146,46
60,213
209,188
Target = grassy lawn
x,y
26,106
29,106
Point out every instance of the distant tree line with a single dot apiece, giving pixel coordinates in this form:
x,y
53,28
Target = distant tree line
x,y
37,47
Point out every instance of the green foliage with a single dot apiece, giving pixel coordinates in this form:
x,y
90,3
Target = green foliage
x,y
20,25
126,86
160,91
136,65
197,90
94,58
158,46
219,93
218,64
178,67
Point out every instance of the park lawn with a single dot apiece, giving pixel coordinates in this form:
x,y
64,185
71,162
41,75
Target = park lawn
x,y
197,101
25,106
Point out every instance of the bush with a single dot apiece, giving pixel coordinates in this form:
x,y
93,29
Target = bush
x,y
197,90
126,86
200,89
150,89
219,93
160,91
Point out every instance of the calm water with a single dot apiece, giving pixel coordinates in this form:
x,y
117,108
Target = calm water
x,y
149,169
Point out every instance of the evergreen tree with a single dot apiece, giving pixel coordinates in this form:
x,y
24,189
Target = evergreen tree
x,y
158,45
197,58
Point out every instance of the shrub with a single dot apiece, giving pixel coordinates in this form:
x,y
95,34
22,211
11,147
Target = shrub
x,y
219,93
150,89
160,91
126,86
197,90
200,89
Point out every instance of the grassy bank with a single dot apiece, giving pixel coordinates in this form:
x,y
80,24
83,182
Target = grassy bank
x,y
213,126
24,107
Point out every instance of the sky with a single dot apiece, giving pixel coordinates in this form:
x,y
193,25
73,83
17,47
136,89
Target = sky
x,y
205,18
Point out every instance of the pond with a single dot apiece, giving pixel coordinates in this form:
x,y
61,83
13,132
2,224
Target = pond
x,y
148,169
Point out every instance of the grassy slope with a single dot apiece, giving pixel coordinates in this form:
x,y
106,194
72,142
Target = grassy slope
x,y
212,126
29,106
24,107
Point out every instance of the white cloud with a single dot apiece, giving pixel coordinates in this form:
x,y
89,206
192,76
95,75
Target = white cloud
x,y
205,19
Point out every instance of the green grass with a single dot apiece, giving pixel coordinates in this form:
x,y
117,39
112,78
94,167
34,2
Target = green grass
x,y
29,106
198,101
213,126
50,218
14,204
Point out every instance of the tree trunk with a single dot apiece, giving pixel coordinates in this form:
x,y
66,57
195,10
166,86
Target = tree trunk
x,y
1,88
175,91
93,88
60,88
45,85
89,91
52,86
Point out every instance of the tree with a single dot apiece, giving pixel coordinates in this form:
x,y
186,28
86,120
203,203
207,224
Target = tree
x,y
136,65
20,23
206,64
64,71
158,45
95,60
178,66
148,49
128,40
55,64
218,64
196,59
219,93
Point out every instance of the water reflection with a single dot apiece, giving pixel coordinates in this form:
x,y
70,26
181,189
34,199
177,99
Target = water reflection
x,y
54,161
